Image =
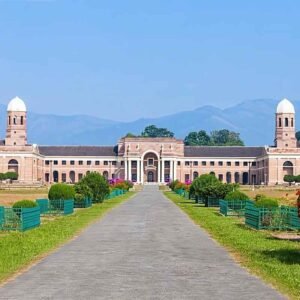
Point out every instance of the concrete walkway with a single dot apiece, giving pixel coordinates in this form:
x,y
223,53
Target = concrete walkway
x,y
144,249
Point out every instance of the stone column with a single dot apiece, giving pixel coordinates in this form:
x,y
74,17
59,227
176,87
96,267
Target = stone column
x,y
129,170
125,169
158,171
138,166
142,171
163,170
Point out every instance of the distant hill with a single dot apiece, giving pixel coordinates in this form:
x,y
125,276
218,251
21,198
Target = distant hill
x,y
253,119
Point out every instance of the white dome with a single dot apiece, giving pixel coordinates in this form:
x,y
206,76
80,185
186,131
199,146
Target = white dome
x,y
16,104
285,107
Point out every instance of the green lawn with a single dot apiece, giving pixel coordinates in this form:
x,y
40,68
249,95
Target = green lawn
x,y
18,250
276,261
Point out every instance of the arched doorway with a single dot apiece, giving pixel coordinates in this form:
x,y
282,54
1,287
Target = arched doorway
x,y
105,174
55,176
150,170
288,168
150,176
13,166
72,176
245,178
228,177
236,177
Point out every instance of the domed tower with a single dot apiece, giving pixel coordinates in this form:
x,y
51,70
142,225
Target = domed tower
x,y
285,125
16,132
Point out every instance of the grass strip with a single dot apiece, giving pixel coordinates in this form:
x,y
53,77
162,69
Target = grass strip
x,y
276,261
18,250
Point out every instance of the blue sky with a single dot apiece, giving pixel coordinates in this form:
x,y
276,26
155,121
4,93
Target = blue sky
x,y
125,60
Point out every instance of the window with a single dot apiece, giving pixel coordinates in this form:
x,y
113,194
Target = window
x,y
63,177
167,164
97,162
195,175
47,177
203,163
9,120
286,122
134,164
186,177
195,163
80,175
245,163
63,162
220,163
72,162
134,177
178,163
47,163
151,162
292,122
280,124
186,163
80,162
55,162
113,176
122,163
22,120
228,163
114,163
254,164
221,177
237,163
105,163
211,163
89,162
15,121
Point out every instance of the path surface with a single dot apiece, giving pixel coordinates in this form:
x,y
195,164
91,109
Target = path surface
x,y
144,249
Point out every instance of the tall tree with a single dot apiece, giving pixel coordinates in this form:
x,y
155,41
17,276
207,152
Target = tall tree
x,y
153,131
200,138
224,137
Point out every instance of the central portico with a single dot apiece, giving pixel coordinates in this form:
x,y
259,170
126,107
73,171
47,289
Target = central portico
x,y
150,160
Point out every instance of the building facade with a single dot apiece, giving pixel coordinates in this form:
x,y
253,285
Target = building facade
x,y
150,160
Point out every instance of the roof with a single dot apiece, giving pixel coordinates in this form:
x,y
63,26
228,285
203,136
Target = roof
x,y
223,151
16,104
285,107
78,150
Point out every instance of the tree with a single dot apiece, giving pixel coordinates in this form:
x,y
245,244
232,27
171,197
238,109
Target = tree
x,y
61,191
98,185
129,134
153,131
289,178
224,137
82,191
200,138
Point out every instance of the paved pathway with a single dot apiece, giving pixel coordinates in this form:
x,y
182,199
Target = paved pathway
x,y
144,249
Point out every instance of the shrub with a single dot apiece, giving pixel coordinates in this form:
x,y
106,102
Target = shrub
x,y
172,184
289,178
61,191
82,191
98,185
129,184
266,203
236,195
24,204
9,175
179,186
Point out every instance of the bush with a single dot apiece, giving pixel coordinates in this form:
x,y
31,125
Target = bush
x,y
9,175
236,195
172,184
98,185
24,204
82,191
61,191
266,203
129,184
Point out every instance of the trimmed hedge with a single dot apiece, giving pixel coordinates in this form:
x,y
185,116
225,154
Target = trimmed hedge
x,y
61,191
24,204
267,203
236,195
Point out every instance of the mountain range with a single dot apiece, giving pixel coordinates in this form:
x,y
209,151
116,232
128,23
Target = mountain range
x,y
253,119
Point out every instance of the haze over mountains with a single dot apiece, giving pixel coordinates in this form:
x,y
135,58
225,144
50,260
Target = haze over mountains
x,y
253,119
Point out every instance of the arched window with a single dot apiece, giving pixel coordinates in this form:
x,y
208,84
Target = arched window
x,y
236,177
288,168
105,174
15,120
22,120
292,122
195,175
245,178
13,166
55,176
228,177
72,176
280,124
212,173
8,120
286,122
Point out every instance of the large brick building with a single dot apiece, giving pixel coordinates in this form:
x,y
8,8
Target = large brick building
x,y
150,159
